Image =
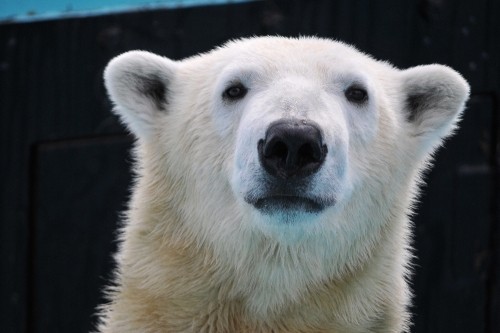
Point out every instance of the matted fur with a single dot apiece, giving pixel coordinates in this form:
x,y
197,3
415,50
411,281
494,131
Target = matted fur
x,y
196,256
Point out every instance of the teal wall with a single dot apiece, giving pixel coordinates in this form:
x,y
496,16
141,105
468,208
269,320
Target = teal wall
x,y
31,10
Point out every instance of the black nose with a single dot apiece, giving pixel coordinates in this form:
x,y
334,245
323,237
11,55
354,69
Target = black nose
x,y
292,149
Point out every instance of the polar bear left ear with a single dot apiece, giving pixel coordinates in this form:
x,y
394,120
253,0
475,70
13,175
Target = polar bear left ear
x,y
434,97
138,83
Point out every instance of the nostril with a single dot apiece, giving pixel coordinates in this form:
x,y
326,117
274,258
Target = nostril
x,y
276,150
308,153
274,154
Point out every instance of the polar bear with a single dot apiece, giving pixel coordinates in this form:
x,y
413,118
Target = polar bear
x,y
274,180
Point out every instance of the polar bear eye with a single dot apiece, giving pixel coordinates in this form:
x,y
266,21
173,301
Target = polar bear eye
x,y
356,94
235,91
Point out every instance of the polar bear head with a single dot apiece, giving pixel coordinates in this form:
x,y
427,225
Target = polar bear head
x,y
285,137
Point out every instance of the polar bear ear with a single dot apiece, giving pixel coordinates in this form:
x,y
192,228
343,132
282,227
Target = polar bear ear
x,y
434,97
138,84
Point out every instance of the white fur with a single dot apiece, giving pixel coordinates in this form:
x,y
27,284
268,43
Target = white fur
x,y
196,257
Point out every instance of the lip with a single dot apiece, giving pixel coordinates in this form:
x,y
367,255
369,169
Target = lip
x,y
288,204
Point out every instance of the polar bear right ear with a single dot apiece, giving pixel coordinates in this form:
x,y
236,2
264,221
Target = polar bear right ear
x,y
435,97
138,84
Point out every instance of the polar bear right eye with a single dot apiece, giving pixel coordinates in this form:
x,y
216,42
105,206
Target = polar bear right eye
x,y
234,92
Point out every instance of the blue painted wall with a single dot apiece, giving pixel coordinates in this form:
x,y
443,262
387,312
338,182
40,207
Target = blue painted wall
x,y
32,10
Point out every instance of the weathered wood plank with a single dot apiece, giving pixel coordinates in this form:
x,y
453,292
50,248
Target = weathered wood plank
x,y
81,186
452,229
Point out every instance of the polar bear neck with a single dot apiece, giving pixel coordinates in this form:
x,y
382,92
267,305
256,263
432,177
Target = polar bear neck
x,y
230,263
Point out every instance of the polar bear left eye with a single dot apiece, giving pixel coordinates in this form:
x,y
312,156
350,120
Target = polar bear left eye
x,y
356,94
234,92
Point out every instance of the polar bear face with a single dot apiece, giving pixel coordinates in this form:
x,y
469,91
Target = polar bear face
x,y
298,136
293,137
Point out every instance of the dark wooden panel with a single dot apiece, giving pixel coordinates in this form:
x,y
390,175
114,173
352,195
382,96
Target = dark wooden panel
x,y
453,228
176,33
81,186
493,305
470,52
459,34
389,30
493,48
433,32
49,89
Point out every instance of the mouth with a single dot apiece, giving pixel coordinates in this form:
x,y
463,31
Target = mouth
x,y
288,204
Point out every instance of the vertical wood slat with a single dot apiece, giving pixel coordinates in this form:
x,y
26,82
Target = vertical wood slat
x,y
492,319
471,41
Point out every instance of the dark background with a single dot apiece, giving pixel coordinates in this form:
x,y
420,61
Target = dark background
x,y
65,158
